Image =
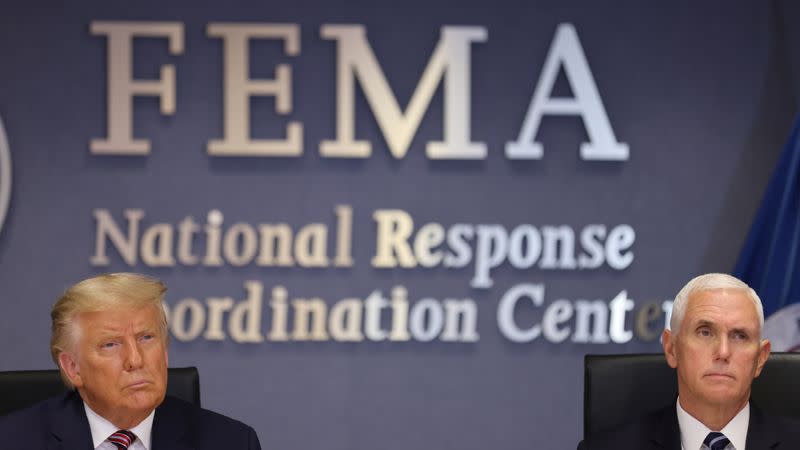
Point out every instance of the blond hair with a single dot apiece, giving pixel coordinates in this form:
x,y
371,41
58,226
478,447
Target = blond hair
x,y
103,292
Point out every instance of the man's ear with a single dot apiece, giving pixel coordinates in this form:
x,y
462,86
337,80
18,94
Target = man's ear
x,y
763,353
70,368
668,341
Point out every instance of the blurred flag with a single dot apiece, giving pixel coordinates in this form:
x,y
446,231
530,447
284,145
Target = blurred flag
x,y
770,259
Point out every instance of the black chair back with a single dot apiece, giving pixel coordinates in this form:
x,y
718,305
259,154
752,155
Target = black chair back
x,y
619,388
22,388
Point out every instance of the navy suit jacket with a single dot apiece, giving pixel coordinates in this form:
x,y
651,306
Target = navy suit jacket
x,y
660,431
60,423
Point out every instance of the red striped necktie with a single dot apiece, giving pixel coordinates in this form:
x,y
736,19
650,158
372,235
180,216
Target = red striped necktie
x,y
122,439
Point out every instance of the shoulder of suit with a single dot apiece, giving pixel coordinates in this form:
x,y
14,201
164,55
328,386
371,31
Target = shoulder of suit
x,y
68,399
788,428
761,418
621,436
200,416
39,414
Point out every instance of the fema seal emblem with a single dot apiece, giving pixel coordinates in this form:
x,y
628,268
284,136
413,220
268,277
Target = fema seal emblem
x,y
783,329
5,175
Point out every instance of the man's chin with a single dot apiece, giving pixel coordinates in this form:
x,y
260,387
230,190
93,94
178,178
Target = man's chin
x,y
145,400
723,396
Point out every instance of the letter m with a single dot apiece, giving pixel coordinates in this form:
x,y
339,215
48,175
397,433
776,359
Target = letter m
x,y
450,60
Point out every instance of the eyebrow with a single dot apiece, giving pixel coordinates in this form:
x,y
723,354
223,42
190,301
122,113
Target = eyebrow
x,y
104,338
708,323
109,331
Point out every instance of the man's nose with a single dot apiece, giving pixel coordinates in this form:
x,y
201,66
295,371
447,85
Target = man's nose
x,y
723,348
133,355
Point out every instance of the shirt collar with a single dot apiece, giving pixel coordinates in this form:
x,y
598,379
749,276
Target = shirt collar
x,y
101,428
693,432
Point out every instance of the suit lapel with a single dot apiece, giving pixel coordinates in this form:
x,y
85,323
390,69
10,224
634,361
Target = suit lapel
x,y
666,435
69,426
760,433
172,428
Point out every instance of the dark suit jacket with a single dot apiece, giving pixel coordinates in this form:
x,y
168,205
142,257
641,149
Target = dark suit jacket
x,y
660,431
60,424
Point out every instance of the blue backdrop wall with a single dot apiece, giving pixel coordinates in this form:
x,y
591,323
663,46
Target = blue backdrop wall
x,y
363,246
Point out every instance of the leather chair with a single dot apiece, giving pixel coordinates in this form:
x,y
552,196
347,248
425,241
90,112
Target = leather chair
x,y
619,388
22,388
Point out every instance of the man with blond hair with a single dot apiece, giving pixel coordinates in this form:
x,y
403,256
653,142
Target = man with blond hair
x,y
715,345
109,340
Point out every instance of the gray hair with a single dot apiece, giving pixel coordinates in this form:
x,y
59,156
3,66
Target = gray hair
x,y
708,282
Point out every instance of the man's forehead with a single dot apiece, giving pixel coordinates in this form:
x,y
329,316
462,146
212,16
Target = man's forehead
x,y
118,318
722,305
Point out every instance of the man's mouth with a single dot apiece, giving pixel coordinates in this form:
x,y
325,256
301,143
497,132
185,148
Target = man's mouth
x,y
719,375
138,384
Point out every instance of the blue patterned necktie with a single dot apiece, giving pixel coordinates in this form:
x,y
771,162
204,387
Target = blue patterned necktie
x,y
716,441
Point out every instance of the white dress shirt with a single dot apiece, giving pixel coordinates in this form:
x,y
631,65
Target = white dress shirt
x,y
693,432
102,429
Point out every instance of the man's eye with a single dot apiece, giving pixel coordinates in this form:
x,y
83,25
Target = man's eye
x,y
740,336
108,344
705,332
147,337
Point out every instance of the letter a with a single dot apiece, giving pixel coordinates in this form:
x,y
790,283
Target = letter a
x,y
566,52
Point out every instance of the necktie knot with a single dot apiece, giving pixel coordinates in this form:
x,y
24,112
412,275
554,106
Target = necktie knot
x,y
122,439
716,441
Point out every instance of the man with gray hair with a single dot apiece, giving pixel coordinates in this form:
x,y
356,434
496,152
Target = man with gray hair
x,y
715,345
109,340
